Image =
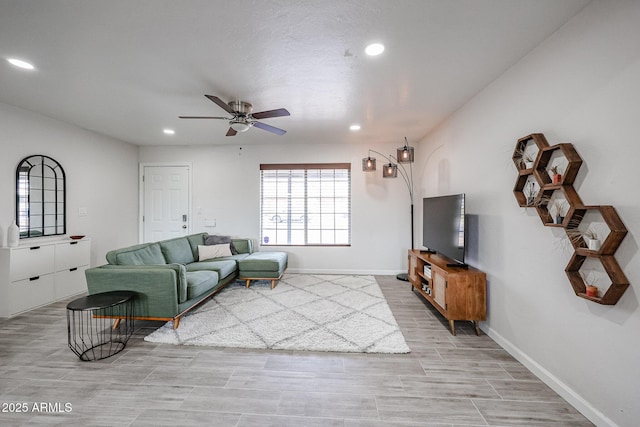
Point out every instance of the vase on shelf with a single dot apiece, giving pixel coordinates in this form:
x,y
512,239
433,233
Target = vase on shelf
x,y
593,244
592,291
13,235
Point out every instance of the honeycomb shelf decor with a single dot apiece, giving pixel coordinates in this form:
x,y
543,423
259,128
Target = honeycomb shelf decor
x,y
567,195
571,166
619,282
547,186
525,156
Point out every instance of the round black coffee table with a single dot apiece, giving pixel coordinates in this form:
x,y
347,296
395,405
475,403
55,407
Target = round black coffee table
x,y
91,333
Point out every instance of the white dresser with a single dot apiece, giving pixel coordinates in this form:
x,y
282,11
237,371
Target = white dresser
x,y
38,273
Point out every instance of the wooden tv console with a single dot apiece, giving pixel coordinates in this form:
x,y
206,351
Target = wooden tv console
x,y
457,293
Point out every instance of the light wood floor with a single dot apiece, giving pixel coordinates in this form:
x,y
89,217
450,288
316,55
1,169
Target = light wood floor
x,y
445,381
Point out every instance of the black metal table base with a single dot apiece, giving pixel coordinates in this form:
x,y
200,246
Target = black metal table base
x,y
93,334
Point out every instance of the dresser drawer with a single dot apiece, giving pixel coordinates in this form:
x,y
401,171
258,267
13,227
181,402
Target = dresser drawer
x,y
70,282
32,261
72,254
30,293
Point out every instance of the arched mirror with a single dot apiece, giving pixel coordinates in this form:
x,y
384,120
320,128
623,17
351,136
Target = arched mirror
x,y
40,197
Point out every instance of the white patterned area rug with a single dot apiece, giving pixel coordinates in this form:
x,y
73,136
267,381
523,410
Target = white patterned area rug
x,y
303,312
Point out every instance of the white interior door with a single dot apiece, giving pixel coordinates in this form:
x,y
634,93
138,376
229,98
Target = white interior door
x,y
166,211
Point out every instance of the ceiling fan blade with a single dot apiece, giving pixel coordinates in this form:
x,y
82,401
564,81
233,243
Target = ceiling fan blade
x,y
220,103
280,112
231,132
203,117
269,128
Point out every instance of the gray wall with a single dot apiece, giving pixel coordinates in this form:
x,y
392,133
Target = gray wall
x,y
101,177
226,187
582,86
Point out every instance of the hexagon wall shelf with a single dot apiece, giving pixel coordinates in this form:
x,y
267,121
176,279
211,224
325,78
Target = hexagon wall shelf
x,y
575,211
537,139
569,195
612,240
573,163
525,174
619,282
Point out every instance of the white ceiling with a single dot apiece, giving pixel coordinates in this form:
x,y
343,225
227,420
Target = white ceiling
x,y
129,68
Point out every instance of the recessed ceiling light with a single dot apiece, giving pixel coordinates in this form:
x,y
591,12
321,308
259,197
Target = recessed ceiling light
x,y
354,127
374,49
169,131
20,63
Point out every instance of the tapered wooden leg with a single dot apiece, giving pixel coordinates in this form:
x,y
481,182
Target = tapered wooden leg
x,y
116,323
475,323
273,283
452,325
176,322
248,283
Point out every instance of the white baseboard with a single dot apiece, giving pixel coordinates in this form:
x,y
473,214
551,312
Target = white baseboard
x,y
334,271
567,393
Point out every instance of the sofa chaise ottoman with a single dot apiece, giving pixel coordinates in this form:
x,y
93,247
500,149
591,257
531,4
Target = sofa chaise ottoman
x,y
263,266
171,277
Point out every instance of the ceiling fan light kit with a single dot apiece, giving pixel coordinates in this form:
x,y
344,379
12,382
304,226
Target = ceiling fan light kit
x,y
242,117
239,126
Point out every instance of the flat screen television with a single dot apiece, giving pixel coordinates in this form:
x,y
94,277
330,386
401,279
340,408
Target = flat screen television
x,y
443,226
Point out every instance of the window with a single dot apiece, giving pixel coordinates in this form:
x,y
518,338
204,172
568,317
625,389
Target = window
x,y
305,204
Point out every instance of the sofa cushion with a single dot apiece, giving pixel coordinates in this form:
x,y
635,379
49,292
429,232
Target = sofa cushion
x,y
146,254
264,261
177,251
224,267
199,282
206,252
243,246
218,240
195,240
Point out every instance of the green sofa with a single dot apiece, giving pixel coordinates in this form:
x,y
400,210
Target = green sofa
x,y
170,278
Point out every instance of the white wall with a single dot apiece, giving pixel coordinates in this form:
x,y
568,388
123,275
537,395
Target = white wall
x,y
582,85
101,176
226,187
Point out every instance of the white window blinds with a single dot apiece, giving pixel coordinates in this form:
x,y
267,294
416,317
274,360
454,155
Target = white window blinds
x,y
305,204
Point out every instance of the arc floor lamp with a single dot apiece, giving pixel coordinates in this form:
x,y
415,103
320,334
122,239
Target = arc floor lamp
x,y
403,156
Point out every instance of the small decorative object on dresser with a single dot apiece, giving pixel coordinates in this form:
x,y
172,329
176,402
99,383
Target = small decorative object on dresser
x,y
13,235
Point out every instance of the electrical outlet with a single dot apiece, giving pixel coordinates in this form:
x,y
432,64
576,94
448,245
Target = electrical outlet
x,y
82,212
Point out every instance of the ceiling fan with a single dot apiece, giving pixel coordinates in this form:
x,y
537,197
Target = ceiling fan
x,y
242,118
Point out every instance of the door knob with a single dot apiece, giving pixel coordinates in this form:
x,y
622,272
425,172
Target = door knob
x,y
184,226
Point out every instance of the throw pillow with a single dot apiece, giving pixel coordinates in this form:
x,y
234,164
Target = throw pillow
x,y
217,240
213,251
